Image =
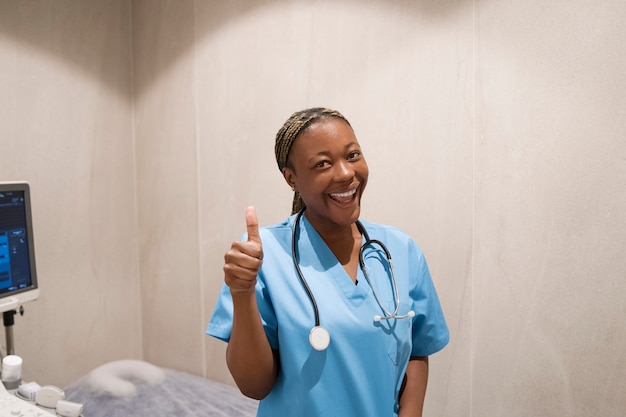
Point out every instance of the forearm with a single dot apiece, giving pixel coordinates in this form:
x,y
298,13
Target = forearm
x,y
412,400
249,356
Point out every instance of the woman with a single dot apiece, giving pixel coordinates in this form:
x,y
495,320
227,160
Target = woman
x,y
362,360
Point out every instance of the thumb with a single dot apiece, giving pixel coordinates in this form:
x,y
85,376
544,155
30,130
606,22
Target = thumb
x,y
252,224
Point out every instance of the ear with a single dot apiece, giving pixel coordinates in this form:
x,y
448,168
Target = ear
x,y
290,177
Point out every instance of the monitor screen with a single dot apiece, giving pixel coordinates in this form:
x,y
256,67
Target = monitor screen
x,y
18,277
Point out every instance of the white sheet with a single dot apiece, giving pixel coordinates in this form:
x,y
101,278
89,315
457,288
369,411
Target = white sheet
x,y
179,395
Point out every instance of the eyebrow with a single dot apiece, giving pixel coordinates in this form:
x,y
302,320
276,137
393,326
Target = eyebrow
x,y
348,146
327,153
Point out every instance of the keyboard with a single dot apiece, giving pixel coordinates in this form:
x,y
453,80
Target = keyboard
x,y
12,406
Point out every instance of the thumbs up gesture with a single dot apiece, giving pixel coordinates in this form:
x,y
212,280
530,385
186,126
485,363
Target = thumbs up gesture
x,y
243,261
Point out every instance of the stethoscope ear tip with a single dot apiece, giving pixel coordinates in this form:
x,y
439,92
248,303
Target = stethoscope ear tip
x,y
410,314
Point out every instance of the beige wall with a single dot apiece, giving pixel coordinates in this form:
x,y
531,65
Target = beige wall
x,y
66,127
494,133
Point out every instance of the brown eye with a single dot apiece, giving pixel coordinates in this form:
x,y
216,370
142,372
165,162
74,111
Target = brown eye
x,y
354,154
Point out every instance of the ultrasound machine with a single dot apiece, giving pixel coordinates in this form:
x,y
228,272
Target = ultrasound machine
x,y
18,276
18,285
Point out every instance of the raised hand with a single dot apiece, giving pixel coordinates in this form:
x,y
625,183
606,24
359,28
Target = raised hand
x,y
243,261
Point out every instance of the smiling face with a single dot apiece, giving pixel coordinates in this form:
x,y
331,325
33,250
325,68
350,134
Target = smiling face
x,y
328,169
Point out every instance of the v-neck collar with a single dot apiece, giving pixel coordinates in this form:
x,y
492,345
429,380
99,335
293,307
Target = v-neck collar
x,y
318,253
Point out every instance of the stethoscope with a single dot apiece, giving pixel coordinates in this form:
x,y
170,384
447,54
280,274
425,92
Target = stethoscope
x,y
319,338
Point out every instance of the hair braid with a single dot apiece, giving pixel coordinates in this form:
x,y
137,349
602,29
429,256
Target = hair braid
x,y
296,124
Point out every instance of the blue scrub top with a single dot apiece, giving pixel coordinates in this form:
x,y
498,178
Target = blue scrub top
x,y
361,372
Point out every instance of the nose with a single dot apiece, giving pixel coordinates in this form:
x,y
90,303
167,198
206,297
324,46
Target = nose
x,y
344,171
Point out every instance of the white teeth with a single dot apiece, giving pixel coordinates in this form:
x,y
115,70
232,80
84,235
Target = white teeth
x,y
343,195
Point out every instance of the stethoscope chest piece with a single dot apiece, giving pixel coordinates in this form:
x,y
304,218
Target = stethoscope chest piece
x,y
319,338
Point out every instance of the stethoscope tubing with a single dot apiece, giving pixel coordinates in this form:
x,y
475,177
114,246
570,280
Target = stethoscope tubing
x,y
296,263
319,336
369,243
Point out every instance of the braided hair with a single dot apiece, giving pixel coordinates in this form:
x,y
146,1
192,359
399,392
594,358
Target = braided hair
x,y
286,136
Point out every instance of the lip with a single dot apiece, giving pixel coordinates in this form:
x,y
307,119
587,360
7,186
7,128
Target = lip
x,y
345,194
345,198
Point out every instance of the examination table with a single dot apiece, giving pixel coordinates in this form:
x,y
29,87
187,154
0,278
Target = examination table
x,y
138,389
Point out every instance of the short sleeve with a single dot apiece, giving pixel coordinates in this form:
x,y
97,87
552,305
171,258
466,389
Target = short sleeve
x,y
430,331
